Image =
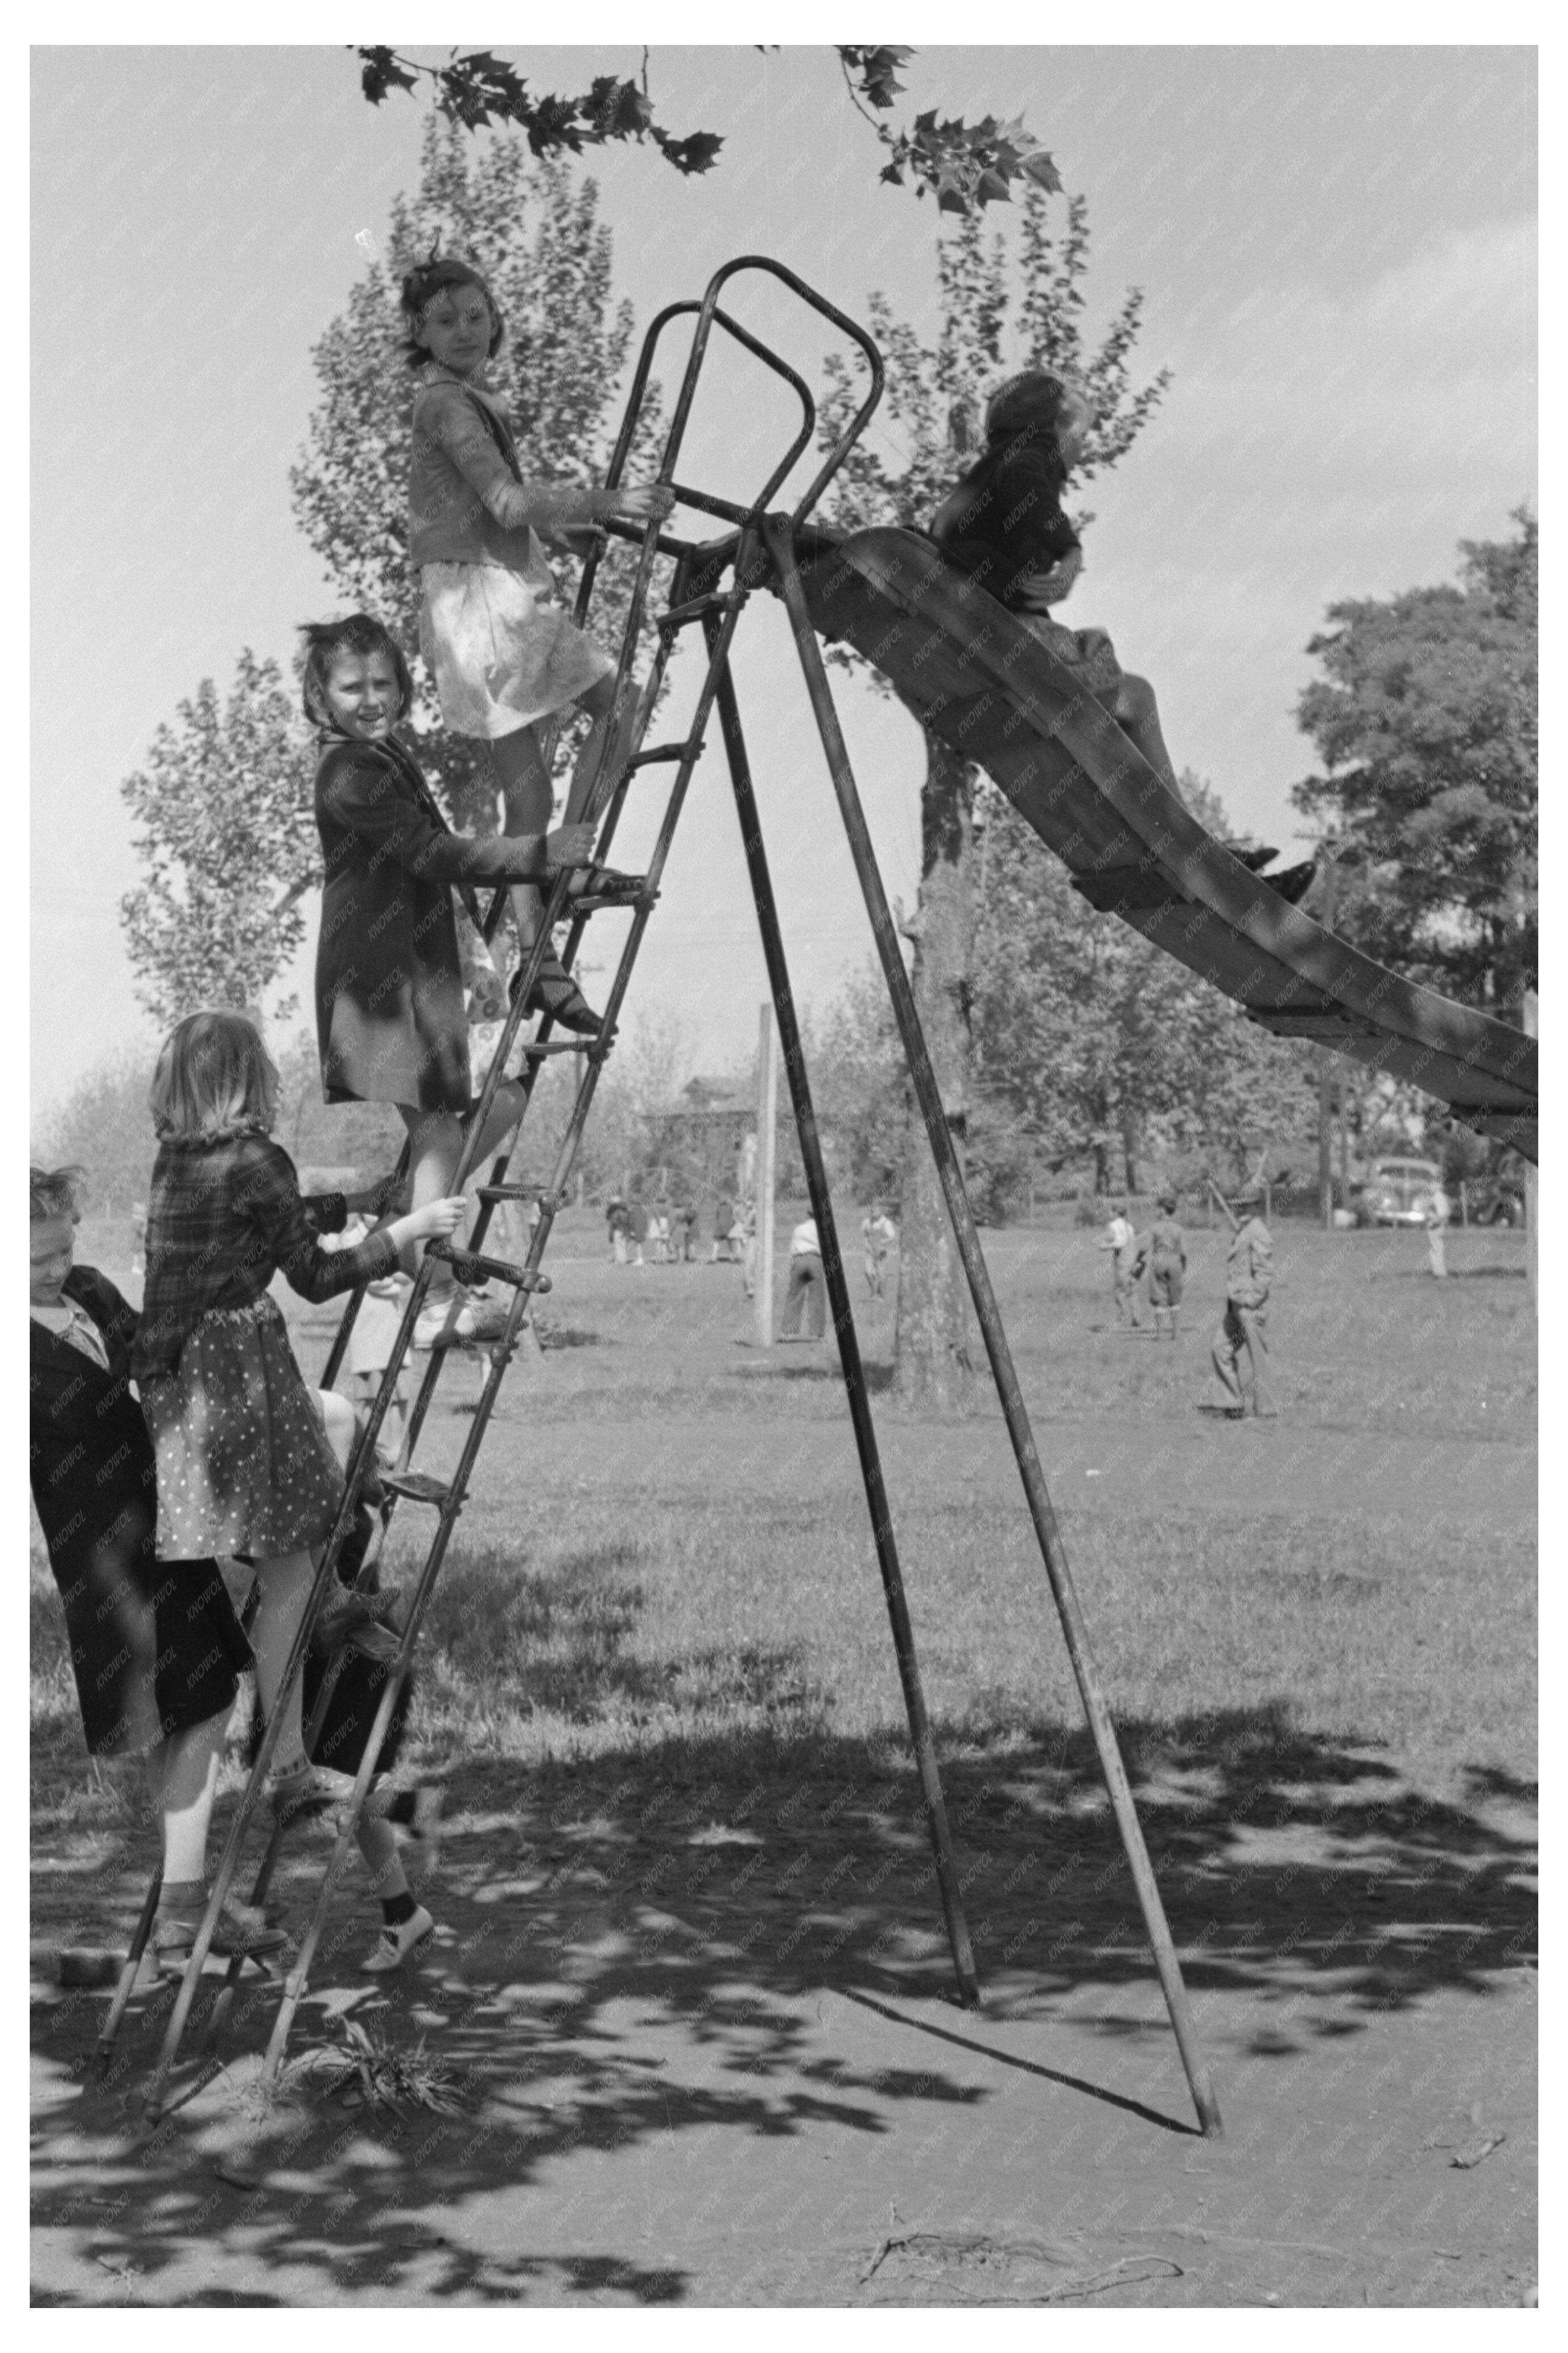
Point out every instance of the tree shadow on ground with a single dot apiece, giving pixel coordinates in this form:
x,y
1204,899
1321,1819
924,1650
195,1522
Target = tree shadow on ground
x,y
1454,1275
715,1886
876,1374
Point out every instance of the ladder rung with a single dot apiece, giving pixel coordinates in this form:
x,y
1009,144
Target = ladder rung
x,y
417,1485
555,1046
677,616
507,1192
472,1266
664,752
594,902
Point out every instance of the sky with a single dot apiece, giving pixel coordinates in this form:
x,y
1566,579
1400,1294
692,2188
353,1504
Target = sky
x,y
1337,250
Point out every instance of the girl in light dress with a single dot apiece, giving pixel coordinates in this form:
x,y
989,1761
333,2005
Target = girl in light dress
x,y
503,654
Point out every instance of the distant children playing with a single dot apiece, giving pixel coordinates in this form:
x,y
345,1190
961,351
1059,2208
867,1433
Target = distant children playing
x,y
880,1236
1167,1255
250,1459
807,1292
391,1020
503,654
1244,1327
1121,1240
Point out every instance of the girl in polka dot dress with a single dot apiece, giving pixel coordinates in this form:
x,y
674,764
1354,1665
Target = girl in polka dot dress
x,y
250,1459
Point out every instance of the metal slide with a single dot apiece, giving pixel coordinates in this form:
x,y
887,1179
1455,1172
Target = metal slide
x,y
977,677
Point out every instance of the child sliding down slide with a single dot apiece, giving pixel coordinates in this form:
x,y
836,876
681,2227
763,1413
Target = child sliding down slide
x,y
1003,523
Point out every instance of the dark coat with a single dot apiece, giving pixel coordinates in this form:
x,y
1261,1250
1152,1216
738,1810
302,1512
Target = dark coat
x,y
156,1645
390,1019
1003,520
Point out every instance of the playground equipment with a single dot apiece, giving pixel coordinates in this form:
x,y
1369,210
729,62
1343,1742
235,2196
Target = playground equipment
x,y
989,688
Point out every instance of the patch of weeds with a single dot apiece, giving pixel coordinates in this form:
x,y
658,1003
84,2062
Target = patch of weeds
x,y
384,2072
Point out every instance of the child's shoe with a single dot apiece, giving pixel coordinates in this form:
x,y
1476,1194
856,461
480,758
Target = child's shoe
x,y
459,1320
394,1945
241,1928
304,1788
556,993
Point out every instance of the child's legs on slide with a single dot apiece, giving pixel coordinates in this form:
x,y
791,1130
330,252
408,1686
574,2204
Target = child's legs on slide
x,y
1137,713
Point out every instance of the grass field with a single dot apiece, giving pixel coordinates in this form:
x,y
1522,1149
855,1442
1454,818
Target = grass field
x,y
665,1537
659,1692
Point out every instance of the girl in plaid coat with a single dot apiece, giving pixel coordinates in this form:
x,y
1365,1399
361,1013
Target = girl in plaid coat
x,y
250,1459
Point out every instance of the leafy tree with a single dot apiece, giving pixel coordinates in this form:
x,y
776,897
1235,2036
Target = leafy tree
x,y
858,1090
964,166
540,242
104,1126
1098,1043
998,312
222,800
226,844
1426,725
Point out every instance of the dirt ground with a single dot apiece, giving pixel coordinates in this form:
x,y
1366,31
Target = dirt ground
x,y
691,2072
689,2019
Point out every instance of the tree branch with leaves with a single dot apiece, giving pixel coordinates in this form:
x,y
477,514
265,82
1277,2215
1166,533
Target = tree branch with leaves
x,y
965,165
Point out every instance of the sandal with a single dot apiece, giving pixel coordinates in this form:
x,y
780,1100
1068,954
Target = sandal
x,y
241,1928
556,993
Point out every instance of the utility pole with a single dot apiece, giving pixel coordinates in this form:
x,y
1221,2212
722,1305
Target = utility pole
x,y
767,1115
1325,1074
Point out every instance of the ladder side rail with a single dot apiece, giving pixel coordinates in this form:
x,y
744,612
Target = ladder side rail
x,y
131,1969
849,1341
529,1077
572,1137
1069,1608
297,1982
638,392
846,325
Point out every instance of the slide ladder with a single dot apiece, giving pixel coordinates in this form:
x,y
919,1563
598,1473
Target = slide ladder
x,y
782,551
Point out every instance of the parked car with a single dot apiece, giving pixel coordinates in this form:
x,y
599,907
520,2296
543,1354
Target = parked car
x,y
1495,1201
1397,1193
